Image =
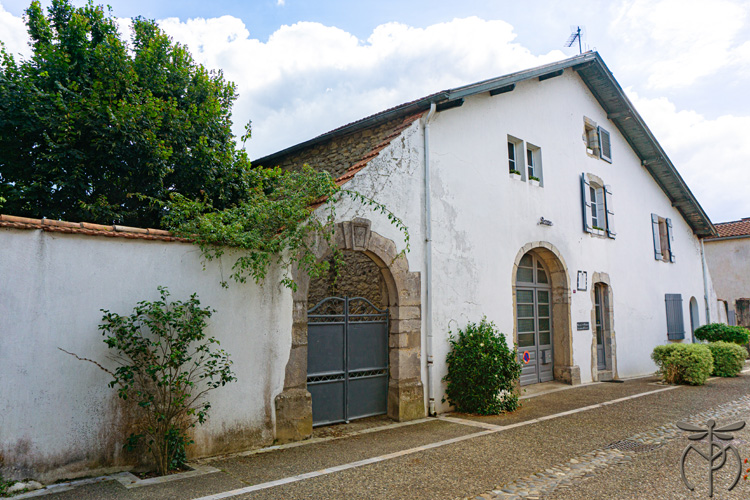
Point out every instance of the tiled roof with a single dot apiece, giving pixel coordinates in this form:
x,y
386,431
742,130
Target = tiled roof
x,y
57,226
734,228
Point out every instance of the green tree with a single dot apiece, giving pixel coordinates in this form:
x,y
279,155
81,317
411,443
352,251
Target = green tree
x,y
94,128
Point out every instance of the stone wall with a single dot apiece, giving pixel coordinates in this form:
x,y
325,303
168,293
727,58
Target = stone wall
x,y
359,276
339,153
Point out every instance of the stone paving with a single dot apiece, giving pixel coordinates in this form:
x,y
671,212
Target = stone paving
x,y
567,474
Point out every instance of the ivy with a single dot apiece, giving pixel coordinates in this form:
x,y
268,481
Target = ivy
x,y
275,223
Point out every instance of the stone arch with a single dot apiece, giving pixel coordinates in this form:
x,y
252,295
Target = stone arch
x,y
564,369
610,344
403,295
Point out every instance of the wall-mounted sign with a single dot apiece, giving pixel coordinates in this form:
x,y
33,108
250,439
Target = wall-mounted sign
x,y
583,325
526,357
544,222
582,281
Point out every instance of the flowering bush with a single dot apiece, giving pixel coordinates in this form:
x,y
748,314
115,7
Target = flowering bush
x,y
482,371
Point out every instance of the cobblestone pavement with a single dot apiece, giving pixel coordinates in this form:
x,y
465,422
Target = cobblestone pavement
x,y
569,474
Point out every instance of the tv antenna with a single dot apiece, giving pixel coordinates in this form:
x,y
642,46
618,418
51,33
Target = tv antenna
x,y
577,34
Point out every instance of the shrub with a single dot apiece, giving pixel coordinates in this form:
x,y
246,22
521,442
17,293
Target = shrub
x,y
165,366
729,358
719,332
683,363
482,371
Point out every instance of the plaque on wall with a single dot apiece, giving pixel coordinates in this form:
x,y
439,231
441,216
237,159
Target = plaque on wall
x,y
582,281
583,325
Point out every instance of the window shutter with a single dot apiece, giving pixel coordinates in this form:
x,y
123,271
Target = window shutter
x,y
669,240
610,211
655,230
585,203
675,325
605,145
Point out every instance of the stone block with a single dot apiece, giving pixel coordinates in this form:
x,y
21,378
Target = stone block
x,y
406,401
405,340
405,364
293,415
405,312
296,367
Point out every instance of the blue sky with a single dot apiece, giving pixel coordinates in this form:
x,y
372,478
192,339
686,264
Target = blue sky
x,y
304,67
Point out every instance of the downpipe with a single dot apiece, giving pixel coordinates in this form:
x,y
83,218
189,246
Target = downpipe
x,y
428,261
705,283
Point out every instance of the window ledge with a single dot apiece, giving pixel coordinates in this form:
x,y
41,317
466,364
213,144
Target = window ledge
x,y
599,233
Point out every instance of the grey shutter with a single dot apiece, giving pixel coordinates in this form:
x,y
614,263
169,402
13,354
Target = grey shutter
x,y
675,325
586,203
732,318
657,240
605,145
669,240
610,211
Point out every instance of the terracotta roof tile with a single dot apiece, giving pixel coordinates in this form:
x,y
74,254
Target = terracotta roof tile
x,y
734,228
58,226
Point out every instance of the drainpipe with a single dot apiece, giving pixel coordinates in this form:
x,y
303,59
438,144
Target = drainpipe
x,y
428,260
705,283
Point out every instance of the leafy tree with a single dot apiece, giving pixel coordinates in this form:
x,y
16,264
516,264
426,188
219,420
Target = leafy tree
x,y
92,128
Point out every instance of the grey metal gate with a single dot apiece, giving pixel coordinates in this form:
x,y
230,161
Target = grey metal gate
x,y
347,359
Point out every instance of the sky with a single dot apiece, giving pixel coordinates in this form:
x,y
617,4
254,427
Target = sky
x,y
303,67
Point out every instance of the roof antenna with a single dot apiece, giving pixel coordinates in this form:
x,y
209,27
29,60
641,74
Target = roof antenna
x,y
578,33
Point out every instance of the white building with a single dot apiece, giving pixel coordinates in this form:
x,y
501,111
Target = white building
x,y
728,259
510,189
526,175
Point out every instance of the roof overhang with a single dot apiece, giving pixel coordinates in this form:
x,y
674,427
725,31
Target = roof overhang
x,y
602,84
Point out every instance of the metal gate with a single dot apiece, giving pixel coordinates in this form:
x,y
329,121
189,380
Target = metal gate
x,y
347,359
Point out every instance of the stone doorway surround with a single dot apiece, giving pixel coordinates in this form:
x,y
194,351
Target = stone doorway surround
x,y
610,346
405,391
564,369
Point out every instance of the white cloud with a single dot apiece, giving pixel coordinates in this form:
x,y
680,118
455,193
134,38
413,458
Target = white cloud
x,y
280,3
678,42
13,34
309,78
712,155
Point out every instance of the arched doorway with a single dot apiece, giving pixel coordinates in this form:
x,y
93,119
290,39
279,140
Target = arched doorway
x,y
402,296
347,341
542,315
534,320
694,318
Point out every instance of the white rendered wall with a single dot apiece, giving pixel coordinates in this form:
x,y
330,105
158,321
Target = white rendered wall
x,y
58,418
481,218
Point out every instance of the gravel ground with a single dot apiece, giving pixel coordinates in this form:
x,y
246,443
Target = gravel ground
x,y
477,465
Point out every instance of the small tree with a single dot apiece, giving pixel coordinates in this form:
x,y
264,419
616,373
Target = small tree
x,y
166,366
482,371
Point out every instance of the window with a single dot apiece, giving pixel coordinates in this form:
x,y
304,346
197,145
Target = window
x,y
512,158
534,162
598,140
662,232
675,324
596,204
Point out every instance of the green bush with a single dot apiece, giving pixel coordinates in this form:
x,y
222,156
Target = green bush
x,y
683,363
729,358
482,371
719,332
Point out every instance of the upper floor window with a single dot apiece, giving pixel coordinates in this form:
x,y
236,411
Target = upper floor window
x,y
596,204
534,162
598,140
524,160
512,164
663,236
